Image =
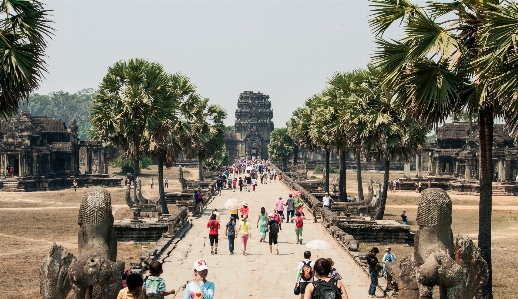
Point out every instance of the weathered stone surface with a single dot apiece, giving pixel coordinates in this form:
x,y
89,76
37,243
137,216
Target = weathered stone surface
x,y
54,281
458,270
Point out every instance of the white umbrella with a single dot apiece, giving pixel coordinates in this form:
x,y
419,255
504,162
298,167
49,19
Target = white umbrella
x,y
318,244
232,204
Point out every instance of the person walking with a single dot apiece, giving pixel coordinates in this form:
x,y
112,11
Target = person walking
x,y
273,233
248,181
329,287
230,232
166,183
254,183
327,201
244,229
240,184
200,287
374,267
244,209
262,223
213,226
290,208
74,183
279,204
277,217
304,273
234,183
151,182
387,258
299,224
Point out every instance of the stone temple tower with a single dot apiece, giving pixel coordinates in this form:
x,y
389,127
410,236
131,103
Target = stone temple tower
x,y
252,128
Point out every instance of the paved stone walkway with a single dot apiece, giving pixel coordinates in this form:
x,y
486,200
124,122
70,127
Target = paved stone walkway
x,y
259,274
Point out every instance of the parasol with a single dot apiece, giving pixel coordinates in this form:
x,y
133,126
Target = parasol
x,y
318,244
232,204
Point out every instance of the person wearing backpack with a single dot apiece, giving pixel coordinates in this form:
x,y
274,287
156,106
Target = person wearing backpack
x,y
273,232
324,287
304,273
213,226
230,232
299,223
374,267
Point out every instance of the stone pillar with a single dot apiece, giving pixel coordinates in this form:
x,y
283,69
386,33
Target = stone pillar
x,y
406,167
467,169
20,165
437,167
34,163
501,170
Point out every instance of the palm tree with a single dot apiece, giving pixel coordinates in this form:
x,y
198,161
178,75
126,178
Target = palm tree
x,y
167,127
23,29
207,135
386,132
281,146
129,96
442,66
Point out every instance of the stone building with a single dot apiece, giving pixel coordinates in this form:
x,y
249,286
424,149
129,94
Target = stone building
x,y
253,125
456,153
45,146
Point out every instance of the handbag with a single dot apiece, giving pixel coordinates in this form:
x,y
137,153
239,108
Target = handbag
x,y
296,290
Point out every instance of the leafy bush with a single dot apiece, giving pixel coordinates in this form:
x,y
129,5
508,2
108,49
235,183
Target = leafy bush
x,y
126,164
319,169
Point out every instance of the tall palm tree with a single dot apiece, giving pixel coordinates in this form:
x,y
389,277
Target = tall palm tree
x,y
167,127
23,29
208,130
437,69
129,96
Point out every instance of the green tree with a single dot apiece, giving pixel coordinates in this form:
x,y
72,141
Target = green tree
x,y
166,128
129,96
207,136
64,106
220,158
24,26
446,62
281,146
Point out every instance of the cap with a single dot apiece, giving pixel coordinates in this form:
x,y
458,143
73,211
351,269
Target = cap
x,y
244,203
200,265
270,215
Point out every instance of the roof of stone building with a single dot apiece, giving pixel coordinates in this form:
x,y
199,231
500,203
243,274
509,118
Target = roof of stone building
x,y
27,123
455,130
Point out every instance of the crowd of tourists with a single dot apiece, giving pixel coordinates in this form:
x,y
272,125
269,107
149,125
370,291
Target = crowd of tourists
x,y
314,279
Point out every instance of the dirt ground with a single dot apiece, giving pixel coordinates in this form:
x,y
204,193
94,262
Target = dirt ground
x,y
32,221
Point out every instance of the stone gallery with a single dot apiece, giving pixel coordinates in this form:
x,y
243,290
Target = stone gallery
x,y
251,134
34,149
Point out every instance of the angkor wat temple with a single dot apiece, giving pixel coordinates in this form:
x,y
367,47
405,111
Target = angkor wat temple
x,y
251,134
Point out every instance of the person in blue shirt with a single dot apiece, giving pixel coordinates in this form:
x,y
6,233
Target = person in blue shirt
x,y
200,287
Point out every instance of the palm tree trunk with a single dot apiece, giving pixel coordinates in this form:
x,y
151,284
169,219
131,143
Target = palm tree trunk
x,y
200,169
163,203
327,171
136,168
383,198
359,173
341,183
485,127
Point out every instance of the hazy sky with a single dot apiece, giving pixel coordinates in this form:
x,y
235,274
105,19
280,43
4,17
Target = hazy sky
x,y
286,49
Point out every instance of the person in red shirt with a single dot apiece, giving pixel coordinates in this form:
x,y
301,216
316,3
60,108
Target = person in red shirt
x,y
213,226
244,210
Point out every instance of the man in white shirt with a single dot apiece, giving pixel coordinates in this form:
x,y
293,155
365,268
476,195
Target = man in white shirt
x,y
300,282
327,201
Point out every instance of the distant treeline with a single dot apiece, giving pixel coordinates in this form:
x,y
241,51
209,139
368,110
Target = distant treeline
x,y
65,106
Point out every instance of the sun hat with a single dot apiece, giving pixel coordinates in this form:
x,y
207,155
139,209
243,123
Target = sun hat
x,y
244,203
200,265
270,215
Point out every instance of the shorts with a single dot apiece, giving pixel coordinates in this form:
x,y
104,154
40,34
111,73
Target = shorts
x,y
272,239
213,239
303,285
219,188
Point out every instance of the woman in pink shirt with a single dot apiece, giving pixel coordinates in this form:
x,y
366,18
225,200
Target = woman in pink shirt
x,y
277,217
279,205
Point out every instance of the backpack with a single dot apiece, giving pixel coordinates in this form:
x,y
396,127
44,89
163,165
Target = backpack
x,y
299,222
274,228
307,272
326,289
